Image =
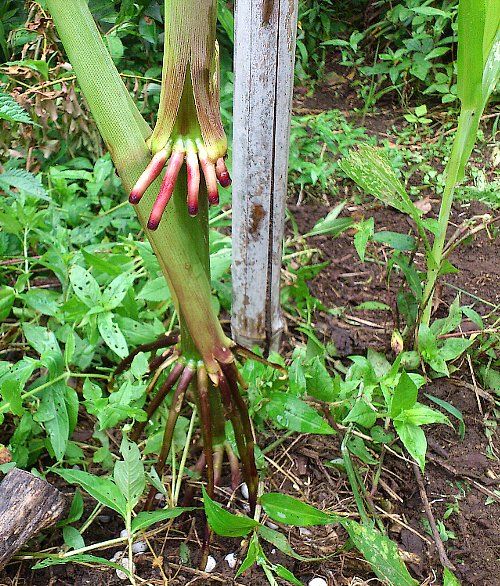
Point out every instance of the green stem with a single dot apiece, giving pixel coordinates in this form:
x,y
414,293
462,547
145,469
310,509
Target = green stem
x,y
177,240
466,123
65,375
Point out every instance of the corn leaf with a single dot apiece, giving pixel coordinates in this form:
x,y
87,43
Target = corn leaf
x,y
372,171
470,61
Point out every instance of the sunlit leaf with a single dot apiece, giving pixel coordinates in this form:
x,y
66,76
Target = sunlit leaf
x,y
286,509
381,553
292,413
225,523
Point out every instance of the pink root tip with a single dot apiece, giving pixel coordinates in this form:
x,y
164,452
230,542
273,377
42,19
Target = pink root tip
x,y
222,173
225,179
166,190
150,173
213,197
193,182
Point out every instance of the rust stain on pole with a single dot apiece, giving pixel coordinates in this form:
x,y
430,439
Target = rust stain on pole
x,y
258,214
267,11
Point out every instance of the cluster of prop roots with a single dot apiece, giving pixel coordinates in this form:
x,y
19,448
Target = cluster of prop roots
x,y
196,157
184,377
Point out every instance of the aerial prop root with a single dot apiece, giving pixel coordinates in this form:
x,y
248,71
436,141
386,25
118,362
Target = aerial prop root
x,y
196,158
185,376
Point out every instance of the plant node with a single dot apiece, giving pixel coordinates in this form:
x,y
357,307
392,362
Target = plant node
x,y
189,126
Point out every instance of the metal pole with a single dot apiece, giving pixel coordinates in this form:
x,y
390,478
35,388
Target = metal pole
x,y
265,34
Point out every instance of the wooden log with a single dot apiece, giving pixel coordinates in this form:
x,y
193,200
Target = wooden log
x,y
27,505
265,33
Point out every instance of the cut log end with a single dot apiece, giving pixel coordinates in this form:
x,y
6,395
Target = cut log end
x,y
27,506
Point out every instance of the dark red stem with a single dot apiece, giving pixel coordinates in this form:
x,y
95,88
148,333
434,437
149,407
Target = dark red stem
x,y
157,400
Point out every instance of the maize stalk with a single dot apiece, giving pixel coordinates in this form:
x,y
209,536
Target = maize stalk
x,y
188,128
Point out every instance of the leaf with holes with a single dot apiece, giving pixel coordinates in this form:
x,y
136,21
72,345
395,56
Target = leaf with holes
x,y
111,334
114,293
85,286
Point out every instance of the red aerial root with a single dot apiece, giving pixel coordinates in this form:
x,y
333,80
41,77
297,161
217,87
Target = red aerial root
x,y
212,173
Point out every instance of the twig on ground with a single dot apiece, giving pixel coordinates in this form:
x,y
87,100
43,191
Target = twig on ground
x,y
443,558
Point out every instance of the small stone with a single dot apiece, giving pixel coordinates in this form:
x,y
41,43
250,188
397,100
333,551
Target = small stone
x,y
117,556
318,582
231,560
304,532
125,562
104,518
139,547
272,525
124,533
159,496
211,563
244,491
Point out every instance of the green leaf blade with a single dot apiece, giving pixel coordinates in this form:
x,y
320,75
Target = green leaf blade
x,y
100,488
225,523
285,509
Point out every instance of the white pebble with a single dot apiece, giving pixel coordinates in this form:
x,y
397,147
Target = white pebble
x,y
231,560
303,531
272,525
159,496
318,582
124,533
211,563
244,490
139,547
125,563
117,556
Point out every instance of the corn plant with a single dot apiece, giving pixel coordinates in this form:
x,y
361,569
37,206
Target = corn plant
x,y
478,68
188,129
